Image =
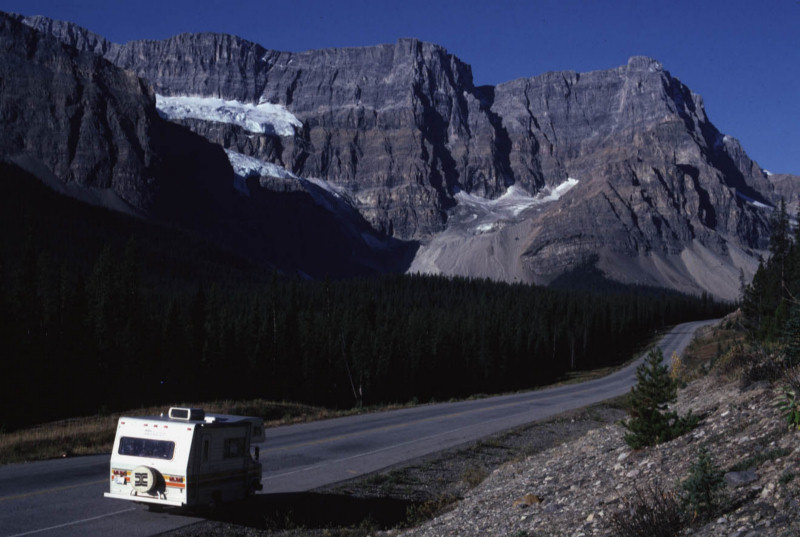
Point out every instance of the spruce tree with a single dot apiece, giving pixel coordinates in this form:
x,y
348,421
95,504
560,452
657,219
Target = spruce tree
x,y
704,489
791,337
780,239
651,420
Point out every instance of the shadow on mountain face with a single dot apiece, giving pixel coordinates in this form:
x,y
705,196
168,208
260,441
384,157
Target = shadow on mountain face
x,y
297,234
589,278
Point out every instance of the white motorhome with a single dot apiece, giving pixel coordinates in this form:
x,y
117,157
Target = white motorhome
x,y
187,458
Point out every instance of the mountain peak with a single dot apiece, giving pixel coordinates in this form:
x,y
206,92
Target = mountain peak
x,y
644,63
396,131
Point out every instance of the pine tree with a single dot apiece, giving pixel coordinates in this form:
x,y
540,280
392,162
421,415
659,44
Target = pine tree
x,y
793,265
780,243
703,490
791,337
651,420
779,238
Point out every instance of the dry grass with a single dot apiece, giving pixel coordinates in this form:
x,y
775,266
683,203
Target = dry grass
x,y
95,434
82,436
712,347
474,475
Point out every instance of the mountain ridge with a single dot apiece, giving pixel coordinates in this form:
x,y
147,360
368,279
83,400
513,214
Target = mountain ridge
x,y
91,130
399,130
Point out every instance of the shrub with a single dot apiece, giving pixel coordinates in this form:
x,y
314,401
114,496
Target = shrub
x,y
704,489
786,478
652,512
678,370
789,405
651,420
761,456
787,401
791,376
749,362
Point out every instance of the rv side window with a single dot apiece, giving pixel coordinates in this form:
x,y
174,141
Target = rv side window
x,y
234,448
146,447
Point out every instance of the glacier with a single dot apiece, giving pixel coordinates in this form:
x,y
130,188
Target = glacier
x,y
245,166
512,202
324,193
262,118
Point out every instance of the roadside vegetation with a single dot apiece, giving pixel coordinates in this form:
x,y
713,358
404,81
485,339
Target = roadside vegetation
x,y
92,435
760,343
652,422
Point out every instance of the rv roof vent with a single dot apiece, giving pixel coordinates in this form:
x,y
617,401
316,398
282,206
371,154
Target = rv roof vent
x,y
188,414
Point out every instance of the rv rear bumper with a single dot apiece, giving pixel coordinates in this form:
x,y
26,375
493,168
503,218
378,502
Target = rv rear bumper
x,y
144,499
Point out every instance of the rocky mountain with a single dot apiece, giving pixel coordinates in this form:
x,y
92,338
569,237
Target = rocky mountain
x,y
91,126
619,169
785,186
91,130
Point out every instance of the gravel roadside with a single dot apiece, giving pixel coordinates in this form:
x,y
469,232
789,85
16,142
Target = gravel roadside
x,y
397,497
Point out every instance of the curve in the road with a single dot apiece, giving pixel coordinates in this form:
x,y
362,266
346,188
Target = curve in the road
x,y
64,497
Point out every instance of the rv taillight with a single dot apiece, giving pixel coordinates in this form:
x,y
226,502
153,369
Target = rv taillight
x,y
120,477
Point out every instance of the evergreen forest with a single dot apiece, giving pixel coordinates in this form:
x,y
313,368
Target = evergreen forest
x,y
101,312
771,302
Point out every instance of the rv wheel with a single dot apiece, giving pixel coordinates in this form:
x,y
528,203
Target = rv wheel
x,y
144,479
255,485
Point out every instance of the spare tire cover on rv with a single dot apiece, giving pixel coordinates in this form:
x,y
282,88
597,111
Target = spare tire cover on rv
x,y
144,479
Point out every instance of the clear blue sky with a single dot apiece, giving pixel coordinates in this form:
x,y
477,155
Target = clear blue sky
x,y
743,57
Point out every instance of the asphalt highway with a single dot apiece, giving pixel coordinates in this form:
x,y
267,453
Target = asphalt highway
x,y
65,496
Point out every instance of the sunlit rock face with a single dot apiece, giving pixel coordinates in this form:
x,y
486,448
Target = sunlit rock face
x,y
400,135
663,195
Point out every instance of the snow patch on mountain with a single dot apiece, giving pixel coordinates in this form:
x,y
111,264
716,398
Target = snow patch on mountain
x,y
245,167
337,191
262,118
487,213
751,201
332,197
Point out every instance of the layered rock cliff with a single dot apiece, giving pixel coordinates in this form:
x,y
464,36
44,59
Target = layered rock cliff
x,y
91,130
522,181
91,124
660,187
402,126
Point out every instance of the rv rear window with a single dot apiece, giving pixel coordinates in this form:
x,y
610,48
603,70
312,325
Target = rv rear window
x,y
146,447
234,448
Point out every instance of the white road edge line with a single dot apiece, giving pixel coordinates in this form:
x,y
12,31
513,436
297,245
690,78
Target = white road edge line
x,y
73,523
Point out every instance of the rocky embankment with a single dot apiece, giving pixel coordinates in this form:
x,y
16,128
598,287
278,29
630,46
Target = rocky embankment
x,y
567,477
575,489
